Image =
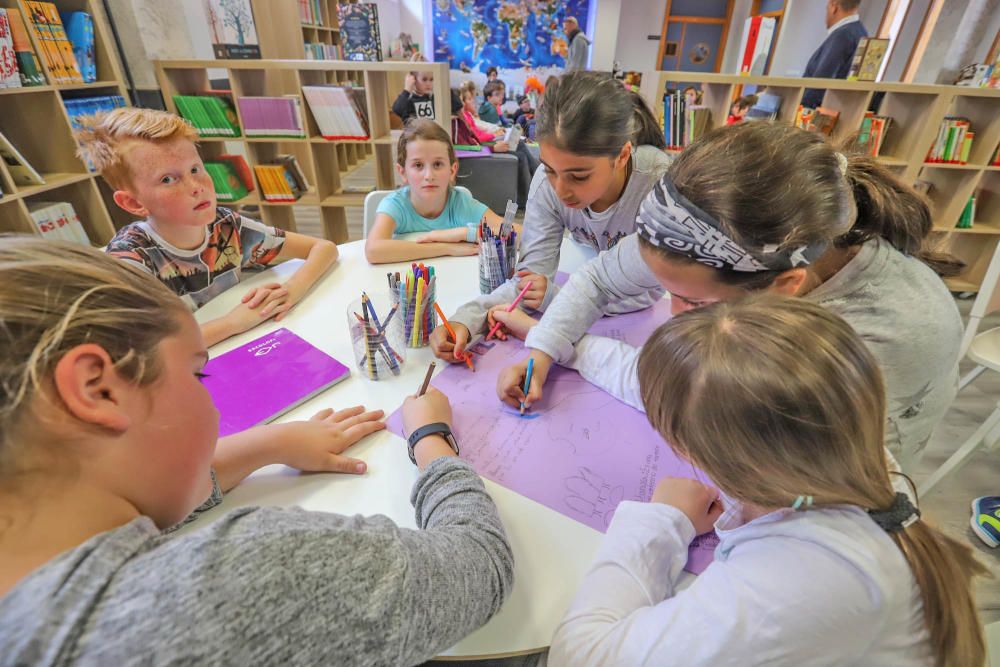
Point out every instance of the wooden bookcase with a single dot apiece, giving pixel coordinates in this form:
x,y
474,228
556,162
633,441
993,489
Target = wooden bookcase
x,y
917,112
324,162
35,121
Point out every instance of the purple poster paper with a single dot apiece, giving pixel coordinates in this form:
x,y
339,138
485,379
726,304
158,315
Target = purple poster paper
x,y
583,452
266,378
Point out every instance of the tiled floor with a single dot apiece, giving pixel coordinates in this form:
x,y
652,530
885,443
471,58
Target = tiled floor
x,y
947,505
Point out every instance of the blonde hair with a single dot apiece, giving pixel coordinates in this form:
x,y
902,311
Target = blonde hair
x,y
57,296
776,397
104,138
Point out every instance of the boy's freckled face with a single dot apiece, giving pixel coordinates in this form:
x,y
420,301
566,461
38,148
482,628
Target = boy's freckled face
x,y
169,180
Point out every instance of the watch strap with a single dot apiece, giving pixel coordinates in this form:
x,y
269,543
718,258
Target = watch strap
x,y
437,428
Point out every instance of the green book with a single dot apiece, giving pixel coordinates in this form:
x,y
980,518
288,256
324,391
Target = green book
x,y
968,214
228,186
223,117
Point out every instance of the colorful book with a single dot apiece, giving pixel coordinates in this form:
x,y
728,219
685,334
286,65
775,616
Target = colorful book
x,y
37,22
337,112
968,217
868,59
758,32
242,169
211,115
58,31
283,371
28,66
80,31
228,185
9,76
953,142
857,58
359,32
20,169
272,116
232,29
59,221
873,131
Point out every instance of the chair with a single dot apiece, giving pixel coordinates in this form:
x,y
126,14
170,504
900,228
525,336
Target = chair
x,y
983,349
491,180
374,198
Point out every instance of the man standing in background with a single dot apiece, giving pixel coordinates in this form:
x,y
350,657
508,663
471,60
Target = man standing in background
x,y
577,45
832,60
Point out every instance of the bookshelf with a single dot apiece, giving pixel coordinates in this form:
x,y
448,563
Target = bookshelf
x,y
917,112
324,162
35,120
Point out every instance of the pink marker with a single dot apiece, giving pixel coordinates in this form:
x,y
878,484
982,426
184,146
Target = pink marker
x,y
511,307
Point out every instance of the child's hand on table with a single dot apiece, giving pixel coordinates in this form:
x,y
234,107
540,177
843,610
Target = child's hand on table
x,y
453,235
431,408
699,502
316,445
242,318
274,300
444,348
463,249
533,297
510,382
500,147
517,322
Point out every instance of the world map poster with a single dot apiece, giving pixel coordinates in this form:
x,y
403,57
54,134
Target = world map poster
x,y
508,34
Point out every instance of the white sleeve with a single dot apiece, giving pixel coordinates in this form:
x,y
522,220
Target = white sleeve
x,y
611,365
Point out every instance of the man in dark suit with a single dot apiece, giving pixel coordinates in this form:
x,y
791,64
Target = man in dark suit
x,y
832,60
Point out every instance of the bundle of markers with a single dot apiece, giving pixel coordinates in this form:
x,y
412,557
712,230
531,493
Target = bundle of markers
x,y
371,336
497,252
414,293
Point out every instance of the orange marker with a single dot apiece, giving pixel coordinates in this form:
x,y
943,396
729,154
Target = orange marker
x,y
451,332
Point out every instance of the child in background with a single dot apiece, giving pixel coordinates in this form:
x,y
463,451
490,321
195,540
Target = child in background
x,y
427,203
739,109
692,96
841,231
820,561
467,95
524,114
106,440
602,151
197,249
417,97
490,108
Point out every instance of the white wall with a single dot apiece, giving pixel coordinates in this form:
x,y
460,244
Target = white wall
x,y
731,56
634,51
605,23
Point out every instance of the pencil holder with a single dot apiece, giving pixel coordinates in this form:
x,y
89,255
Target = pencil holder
x,y
415,301
376,327
497,256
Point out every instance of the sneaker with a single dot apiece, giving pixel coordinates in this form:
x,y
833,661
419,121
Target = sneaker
x,y
985,519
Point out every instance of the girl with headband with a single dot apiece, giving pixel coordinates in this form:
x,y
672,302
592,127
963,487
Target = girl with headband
x,y
763,206
820,560
600,148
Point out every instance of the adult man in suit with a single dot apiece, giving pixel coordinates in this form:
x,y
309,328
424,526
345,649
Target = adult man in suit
x,y
832,60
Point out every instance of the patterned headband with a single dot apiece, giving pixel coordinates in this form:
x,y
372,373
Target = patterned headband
x,y
669,221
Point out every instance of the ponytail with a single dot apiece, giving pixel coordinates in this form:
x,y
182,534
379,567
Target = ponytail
x,y
647,128
889,209
943,569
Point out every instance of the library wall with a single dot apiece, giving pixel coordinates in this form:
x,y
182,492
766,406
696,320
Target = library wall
x,y
960,37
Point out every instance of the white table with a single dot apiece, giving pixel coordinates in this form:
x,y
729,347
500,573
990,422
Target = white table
x,y
551,551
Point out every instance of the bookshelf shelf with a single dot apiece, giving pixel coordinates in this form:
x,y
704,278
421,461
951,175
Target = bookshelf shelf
x,y
917,111
35,120
324,163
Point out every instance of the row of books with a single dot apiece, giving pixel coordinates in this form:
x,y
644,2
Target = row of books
x,y
979,75
868,57
953,142
873,131
231,177
79,107
19,65
66,42
820,119
211,115
683,123
340,111
321,51
282,180
309,12
272,116
58,221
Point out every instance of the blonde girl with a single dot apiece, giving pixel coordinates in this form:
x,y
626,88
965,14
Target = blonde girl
x,y
820,561
763,206
106,439
427,203
600,149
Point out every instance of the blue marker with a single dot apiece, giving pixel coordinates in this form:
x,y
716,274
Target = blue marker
x,y
527,380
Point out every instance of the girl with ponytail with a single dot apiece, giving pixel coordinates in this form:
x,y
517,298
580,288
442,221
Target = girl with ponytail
x,y
601,152
820,562
762,206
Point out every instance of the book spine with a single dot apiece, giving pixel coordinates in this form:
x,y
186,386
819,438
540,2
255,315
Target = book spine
x,y
751,44
28,65
9,76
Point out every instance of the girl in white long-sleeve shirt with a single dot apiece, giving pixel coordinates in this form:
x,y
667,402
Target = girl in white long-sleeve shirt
x,y
820,562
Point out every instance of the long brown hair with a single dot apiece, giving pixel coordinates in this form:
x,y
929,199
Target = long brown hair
x,y
59,295
591,114
773,184
776,397
428,130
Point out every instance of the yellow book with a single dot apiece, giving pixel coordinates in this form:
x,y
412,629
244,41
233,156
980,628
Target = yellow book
x,y
39,25
58,32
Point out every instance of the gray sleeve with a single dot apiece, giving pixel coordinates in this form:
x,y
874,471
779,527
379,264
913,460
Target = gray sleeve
x,y
611,365
541,240
613,277
287,586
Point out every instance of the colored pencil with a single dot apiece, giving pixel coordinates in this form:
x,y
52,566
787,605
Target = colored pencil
x,y
509,308
451,332
427,379
527,380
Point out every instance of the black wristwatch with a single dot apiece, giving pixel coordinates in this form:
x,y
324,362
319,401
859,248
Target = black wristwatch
x,y
437,428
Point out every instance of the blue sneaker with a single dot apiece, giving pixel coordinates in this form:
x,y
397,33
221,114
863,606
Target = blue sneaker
x,y
985,519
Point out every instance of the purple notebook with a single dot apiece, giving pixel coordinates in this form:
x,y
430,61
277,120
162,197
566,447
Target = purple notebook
x,y
266,378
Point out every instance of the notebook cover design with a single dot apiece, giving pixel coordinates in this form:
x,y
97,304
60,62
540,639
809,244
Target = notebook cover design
x,y
262,380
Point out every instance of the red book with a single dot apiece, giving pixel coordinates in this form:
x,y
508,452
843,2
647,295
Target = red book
x,y
242,169
751,44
